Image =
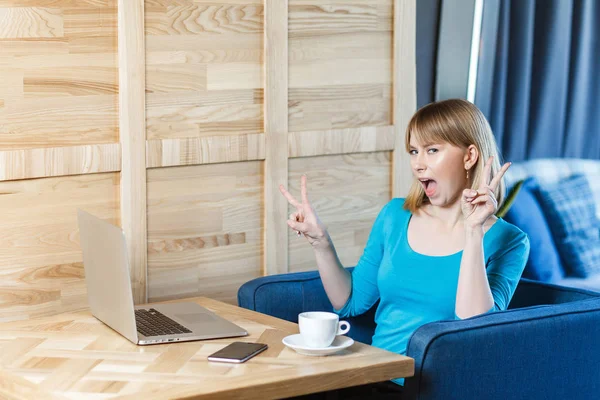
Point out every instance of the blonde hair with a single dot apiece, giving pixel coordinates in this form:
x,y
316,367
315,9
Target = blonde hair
x,y
461,124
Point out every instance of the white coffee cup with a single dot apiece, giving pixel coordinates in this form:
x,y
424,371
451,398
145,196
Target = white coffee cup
x,y
319,328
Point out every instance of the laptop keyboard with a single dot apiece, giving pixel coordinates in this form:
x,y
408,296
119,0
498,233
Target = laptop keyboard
x,y
152,323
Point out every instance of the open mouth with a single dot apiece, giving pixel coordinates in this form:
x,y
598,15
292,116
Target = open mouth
x,y
429,185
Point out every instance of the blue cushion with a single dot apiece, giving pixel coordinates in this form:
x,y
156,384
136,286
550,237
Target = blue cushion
x,y
571,214
544,262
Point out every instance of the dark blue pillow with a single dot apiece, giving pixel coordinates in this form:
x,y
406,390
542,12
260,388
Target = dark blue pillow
x,y
544,262
570,210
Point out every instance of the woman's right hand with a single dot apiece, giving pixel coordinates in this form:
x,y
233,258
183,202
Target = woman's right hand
x,y
304,220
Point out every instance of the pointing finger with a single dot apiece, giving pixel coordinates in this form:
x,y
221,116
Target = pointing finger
x,y
496,181
303,190
289,197
487,171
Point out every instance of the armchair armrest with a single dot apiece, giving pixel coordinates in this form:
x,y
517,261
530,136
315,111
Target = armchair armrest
x,y
532,293
539,352
545,347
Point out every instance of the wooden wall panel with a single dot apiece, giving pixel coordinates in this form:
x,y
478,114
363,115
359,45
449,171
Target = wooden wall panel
x,y
31,22
276,132
58,116
405,89
205,150
204,68
205,229
341,141
41,270
347,192
132,107
59,83
340,64
213,94
59,161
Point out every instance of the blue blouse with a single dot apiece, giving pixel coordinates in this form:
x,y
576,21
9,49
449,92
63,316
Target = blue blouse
x,y
414,288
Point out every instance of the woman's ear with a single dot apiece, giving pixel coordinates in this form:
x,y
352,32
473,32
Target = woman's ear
x,y
471,156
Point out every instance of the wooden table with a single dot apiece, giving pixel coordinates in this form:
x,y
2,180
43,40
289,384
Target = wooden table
x,y
75,356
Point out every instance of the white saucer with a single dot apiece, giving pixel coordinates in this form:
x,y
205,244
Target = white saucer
x,y
295,342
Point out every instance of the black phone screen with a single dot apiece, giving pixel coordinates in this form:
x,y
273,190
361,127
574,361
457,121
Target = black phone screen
x,y
237,352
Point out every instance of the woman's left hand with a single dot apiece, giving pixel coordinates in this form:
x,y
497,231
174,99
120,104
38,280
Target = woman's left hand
x,y
478,206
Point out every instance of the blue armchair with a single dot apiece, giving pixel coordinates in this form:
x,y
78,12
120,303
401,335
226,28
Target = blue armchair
x,y
546,346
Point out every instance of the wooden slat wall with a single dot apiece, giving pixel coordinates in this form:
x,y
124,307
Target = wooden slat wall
x,y
276,128
205,226
204,104
341,106
58,62
240,95
340,64
41,270
132,108
58,119
405,89
58,161
204,81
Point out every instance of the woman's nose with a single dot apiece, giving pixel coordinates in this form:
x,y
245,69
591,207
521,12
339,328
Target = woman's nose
x,y
418,163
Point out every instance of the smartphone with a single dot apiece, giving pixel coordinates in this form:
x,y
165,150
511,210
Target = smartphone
x,y
238,352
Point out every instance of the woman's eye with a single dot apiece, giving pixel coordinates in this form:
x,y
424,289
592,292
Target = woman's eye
x,y
412,152
432,151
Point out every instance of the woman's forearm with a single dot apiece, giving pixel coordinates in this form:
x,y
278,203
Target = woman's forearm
x,y
473,294
336,279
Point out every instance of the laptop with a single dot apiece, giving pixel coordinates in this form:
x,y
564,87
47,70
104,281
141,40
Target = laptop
x,y
111,300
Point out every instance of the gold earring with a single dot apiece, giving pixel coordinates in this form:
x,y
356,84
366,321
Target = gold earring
x,y
467,174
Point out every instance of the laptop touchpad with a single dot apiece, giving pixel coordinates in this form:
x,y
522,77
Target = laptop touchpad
x,y
196,318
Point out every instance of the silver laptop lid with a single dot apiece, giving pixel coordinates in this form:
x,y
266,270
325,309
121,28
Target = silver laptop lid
x,y
107,274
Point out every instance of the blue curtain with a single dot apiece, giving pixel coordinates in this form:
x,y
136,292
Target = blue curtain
x,y
539,77
428,22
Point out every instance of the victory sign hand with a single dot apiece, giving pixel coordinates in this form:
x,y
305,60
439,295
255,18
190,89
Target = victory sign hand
x,y
304,220
478,205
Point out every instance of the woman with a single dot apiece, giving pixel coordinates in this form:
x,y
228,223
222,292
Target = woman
x,y
438,254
